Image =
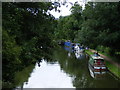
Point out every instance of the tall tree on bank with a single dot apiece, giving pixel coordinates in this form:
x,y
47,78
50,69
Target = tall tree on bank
x,y
101,25
68,26
26,27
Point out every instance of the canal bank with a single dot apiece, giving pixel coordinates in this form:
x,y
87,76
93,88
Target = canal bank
x,y
113,67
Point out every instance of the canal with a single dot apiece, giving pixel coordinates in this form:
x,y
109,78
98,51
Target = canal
x,y
66,69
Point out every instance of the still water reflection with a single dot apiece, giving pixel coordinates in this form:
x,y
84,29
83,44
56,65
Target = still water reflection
x,y
48,76
65,70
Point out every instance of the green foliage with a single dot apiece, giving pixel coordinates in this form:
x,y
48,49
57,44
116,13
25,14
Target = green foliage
x,y
23,75
26,27
10,56
68,26
89,52
103,49
110,26
115,70
97,26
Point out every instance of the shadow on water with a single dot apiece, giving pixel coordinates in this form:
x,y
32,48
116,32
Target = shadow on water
x,y
68,66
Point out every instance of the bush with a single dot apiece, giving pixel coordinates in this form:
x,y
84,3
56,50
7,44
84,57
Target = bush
x,y
104,49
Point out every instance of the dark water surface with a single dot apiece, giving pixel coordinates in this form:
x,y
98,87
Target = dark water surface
x,y
66,69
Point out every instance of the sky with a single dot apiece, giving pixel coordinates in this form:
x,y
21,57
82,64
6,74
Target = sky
x,y
66,10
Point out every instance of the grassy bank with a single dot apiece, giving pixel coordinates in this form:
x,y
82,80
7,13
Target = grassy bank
x,y
113,68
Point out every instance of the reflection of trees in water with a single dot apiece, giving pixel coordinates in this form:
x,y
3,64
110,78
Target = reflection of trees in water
x,y
82,81
77,69
22,76
48,55
39,61
17,78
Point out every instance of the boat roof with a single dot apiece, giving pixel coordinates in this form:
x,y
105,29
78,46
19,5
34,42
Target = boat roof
x,y
96,57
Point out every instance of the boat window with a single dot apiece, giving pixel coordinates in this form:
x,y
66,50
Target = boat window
x,y
99,61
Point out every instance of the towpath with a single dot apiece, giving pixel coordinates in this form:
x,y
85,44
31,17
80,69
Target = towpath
x,y
107,58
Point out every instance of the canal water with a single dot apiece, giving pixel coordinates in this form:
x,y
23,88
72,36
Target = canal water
x,y
67,69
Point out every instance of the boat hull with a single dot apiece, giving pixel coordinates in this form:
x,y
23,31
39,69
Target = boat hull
x,y
97,72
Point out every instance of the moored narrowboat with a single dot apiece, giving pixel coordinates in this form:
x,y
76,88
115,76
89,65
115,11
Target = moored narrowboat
x,y
97,63
97,66
96,74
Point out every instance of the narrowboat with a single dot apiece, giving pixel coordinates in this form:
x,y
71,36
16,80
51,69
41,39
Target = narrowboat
x,y
78,48
67,43
97,66
98,74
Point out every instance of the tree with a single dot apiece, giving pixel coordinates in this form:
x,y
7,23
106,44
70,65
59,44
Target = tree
x,y
26,27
